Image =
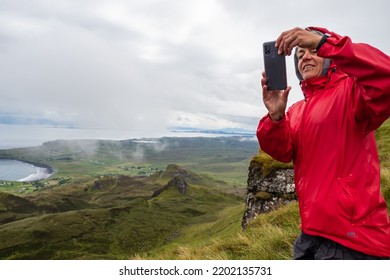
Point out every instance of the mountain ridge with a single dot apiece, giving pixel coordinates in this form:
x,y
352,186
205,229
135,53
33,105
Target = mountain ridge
x,y
117,212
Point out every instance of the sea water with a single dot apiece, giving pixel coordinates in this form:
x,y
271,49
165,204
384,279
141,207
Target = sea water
x,y
14,170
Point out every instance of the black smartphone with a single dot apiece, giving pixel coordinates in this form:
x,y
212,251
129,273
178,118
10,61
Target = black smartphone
x,y
275,67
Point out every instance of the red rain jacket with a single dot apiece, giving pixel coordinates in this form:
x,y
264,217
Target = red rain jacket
x,y
330,138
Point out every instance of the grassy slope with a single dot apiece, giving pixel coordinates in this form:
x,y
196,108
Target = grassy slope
x,y
187,233
109,218
269,236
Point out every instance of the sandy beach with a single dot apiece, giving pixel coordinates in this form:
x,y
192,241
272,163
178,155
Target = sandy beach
x,y
41,173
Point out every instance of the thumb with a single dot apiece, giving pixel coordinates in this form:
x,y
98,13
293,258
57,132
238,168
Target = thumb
x,y
287,91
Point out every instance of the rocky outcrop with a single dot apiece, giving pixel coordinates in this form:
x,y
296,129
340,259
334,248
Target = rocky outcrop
x,y
177,182
268,188
179,179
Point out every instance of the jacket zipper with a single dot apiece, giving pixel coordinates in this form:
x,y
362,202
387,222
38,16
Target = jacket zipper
x,y
301,147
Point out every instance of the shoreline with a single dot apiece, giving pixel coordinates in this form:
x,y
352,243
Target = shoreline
x,y
48,168
40,175
42,170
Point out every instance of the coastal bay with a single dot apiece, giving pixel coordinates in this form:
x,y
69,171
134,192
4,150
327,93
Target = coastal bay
x,y
15,170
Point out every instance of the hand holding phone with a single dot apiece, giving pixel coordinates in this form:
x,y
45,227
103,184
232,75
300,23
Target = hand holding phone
x,y
275,67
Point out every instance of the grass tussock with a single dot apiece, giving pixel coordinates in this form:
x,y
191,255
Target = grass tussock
x,y
269,237
268,164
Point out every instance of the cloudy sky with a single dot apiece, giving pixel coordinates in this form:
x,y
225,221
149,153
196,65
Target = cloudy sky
x,y
144,67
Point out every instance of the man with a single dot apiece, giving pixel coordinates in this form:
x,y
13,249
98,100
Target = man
x,y
330,138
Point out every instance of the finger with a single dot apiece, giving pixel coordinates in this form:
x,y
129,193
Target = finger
x,y
284,43
263,81
288,40
280,39
294,43
287,91
265,92
289,44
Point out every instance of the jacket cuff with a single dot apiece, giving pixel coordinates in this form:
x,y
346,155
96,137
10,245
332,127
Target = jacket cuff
x,y
277,121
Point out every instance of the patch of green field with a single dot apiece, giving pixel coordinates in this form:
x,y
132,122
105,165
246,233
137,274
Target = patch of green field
x,y
98,205
225,158
112,217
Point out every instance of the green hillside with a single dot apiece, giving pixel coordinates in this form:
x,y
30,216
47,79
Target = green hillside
x,y
109,218
105,203
225,158
383,142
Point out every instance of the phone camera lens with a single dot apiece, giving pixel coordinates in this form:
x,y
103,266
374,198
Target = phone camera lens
x,y
267,49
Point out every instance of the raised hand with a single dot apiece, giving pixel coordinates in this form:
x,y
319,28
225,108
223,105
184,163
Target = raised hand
x,y
296,37
274,100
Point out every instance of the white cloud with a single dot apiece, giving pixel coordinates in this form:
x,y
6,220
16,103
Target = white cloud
x,y
147,65
201,120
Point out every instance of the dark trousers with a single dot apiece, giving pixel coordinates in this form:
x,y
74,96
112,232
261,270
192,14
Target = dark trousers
x,y
308,247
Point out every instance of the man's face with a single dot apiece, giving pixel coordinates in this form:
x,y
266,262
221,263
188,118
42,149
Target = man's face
x,y
309,64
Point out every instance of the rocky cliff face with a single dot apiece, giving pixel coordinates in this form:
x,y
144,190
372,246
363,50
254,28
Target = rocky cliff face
x,y
268,189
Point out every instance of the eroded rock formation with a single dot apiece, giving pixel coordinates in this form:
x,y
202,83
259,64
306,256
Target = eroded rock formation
x,y
268,189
